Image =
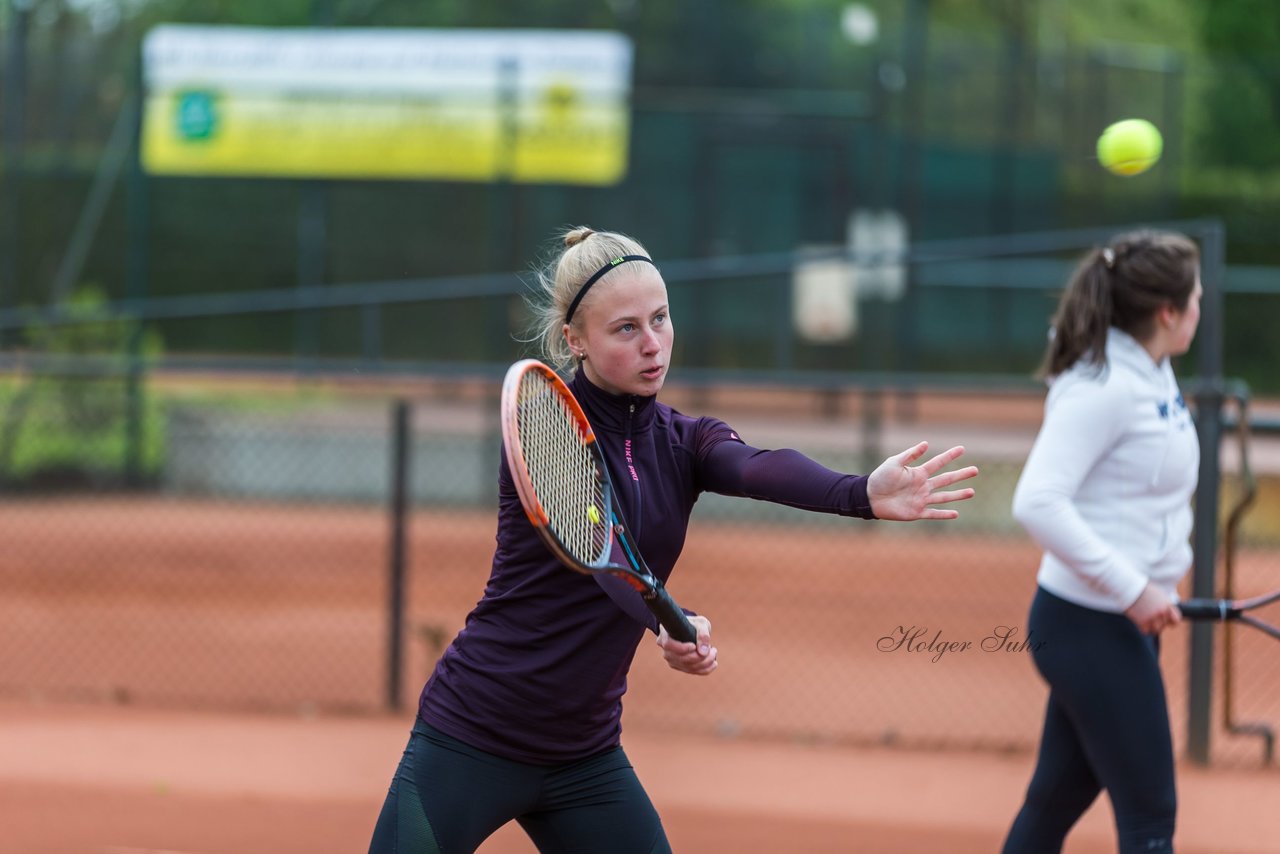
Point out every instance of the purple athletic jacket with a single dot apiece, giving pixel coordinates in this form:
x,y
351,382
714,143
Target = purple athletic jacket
x,y
538,672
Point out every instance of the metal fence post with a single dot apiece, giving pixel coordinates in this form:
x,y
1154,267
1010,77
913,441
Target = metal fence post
x,y
137,285
396,578
1209,398
12,141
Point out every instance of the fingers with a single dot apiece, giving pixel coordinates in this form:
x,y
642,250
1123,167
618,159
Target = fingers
x,y
944,459
934,513
910,455
699,658
954,495
704,637
949,477
704,666
689,658
1161,620
934,464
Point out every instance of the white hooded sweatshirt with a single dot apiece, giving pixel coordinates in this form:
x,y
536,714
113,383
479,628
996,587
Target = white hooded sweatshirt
x,y
1106,490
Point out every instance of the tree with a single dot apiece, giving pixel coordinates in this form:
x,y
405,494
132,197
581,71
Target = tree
x,y
1243,126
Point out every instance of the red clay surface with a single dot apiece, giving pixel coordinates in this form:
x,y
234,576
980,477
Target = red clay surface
x,y
109,780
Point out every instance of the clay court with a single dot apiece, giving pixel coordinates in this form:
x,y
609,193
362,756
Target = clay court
x,y
127,781
208,677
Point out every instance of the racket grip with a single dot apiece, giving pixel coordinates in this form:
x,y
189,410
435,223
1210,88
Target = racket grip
x,y
1205,609
670,615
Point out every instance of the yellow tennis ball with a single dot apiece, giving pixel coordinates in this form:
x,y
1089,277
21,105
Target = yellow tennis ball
x,y
593,514
1130,146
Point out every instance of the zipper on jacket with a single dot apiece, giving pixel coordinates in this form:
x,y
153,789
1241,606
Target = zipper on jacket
x,y
638,518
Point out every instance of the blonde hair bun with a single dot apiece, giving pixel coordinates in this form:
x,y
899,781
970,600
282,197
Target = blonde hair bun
x,y
577,235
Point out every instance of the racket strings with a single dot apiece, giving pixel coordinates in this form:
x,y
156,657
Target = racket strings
x,y
562,470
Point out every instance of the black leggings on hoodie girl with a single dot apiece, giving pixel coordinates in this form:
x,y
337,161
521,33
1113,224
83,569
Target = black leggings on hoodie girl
x,y
1106,727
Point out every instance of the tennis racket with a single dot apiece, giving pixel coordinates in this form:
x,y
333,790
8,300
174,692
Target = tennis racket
x,y
1232,609
564,485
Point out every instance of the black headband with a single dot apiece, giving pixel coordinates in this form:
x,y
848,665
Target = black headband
x,y
586,286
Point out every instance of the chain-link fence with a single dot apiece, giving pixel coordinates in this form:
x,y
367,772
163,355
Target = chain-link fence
x,y
251,567
191,538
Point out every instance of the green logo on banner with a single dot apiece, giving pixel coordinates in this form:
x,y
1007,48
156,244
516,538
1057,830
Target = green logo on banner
x,y
196,115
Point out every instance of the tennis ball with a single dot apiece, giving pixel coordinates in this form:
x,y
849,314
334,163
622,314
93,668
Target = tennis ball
x,y
1130,146
593,514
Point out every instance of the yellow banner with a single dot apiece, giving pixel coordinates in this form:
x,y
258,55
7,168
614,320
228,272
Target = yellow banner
x,y
520,117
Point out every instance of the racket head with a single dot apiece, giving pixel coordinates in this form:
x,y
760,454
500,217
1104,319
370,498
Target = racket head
x,y
557,467
1264,627
564,486
1249,613
1258,601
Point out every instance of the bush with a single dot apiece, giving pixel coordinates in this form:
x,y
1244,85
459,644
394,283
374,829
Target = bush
x,y
81,416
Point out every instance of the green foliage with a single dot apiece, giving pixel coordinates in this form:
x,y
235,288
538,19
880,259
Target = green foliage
x,y
1247,28
72,421
89,403
276,13
1242,126
43,447
1252,350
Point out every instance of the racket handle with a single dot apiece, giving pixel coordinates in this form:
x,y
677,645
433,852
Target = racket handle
x,y
670,615
1207,609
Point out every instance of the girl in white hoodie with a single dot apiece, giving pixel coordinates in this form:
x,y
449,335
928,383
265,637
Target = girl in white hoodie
x,y
1106,493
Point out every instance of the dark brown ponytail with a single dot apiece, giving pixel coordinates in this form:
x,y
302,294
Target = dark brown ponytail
x,y
1122,285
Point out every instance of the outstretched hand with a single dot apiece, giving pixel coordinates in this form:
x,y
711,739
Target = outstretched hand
x,y
903,492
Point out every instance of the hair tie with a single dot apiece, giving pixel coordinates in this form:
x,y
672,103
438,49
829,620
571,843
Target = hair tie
x,y
586,286
1109,258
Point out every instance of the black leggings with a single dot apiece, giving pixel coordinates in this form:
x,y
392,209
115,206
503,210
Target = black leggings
x,y
448,797
1106,727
